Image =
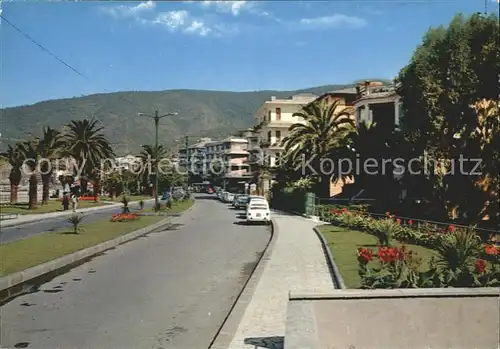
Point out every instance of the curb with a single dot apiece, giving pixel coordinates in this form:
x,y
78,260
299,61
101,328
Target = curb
x,y
50,215
337,279
9,281
225,334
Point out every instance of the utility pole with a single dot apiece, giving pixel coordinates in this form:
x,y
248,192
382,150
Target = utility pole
x,y
157,118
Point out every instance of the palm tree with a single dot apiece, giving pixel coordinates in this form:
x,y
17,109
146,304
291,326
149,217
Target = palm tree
x,y
150,157
15,158
29,152
48,148
88,146
324,131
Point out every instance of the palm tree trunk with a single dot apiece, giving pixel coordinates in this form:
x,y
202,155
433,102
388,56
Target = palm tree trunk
x,y
97,190
45,188
13,192
33,191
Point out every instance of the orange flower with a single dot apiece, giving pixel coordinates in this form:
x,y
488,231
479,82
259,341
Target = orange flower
x,y
451,228
398,221
490,250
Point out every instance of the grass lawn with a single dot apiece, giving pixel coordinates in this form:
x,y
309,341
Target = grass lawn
x,y
52,206
343,244
26,253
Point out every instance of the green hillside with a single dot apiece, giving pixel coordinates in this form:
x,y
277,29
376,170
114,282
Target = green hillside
x,y
201,113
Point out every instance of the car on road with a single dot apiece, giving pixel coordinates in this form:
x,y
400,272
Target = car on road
x,y
256,198
229,197
258,211
235,199
241,202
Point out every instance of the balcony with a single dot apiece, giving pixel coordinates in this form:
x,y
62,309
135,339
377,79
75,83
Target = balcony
x,y
265,143
279,123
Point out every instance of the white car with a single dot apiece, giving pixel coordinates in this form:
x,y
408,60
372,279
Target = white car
x,y
230,198
258,211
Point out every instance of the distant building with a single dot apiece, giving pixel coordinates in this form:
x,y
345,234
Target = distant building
x,y
376,103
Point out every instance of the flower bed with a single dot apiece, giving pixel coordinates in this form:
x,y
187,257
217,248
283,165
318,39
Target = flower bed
x,y
462,259
124,217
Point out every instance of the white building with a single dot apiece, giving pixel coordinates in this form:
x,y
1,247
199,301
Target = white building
x,y
275,117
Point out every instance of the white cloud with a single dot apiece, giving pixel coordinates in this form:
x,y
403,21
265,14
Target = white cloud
x,y
198,27
333,21
234,7
124,11
172,19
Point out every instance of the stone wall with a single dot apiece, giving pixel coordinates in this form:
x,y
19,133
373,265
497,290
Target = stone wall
x,y
387,319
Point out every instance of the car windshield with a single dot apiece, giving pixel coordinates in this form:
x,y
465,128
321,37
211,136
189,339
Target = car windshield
x,y
258,207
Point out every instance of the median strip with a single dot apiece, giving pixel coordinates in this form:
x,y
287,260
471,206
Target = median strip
x,y
32,257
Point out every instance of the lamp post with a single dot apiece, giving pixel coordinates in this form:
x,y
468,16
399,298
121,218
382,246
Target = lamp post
x,y
157,118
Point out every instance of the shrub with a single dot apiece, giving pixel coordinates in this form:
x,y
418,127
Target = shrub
x,y
125,202
75,221
141,204
385,229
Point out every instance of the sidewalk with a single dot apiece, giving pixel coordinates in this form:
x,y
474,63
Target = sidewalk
x,y
297,263
28,218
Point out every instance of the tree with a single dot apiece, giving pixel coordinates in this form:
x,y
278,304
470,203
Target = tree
x,y
324,131
88,146
48,148
450,72
29,151
14,156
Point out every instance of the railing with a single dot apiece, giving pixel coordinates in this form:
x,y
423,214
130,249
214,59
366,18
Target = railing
x,y
265,144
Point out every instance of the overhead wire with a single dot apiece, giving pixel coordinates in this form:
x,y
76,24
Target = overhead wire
x,y
66,64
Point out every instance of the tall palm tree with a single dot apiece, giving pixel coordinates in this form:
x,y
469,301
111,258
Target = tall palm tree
x,y
15,158
49,147
324,131
150,157
89,147
29,152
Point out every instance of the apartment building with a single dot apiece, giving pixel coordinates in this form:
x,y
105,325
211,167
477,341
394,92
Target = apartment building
x,y
228,156
376,103
274,118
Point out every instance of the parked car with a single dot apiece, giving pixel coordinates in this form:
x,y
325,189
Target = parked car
x,y
229,197
242,201
235,199
256,198
258,211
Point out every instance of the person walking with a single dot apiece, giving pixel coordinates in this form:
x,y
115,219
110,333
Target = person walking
x,y
74,201
65,202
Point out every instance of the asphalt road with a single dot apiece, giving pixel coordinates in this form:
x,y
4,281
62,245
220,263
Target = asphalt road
x,y
171,289
18,232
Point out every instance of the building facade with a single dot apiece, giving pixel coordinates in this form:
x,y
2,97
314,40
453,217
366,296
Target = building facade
x,y
378,104
227,158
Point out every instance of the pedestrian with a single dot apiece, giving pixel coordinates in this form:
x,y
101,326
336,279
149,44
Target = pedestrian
x,y
74,201
65,201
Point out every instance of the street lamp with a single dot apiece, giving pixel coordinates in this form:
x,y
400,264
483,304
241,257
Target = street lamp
x,y
157,118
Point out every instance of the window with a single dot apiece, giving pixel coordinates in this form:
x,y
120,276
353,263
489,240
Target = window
x,y
269,115
278,136
278,114
269,136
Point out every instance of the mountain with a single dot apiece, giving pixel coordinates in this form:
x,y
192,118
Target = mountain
x,y
201,113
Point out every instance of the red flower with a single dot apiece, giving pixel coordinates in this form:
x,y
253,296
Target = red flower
x,y
451,228
387,213
490,250
398,221
410,222
391,254
480,266
364,255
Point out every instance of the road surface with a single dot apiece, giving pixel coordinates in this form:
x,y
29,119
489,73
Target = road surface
x,y
171,289
18,232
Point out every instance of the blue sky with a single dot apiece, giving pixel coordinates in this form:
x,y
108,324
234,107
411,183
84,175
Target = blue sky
x,y
224,45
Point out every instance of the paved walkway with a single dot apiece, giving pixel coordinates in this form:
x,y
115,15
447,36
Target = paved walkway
x,y
296,264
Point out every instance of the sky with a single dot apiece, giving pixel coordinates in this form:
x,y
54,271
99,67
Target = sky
x,y
213,45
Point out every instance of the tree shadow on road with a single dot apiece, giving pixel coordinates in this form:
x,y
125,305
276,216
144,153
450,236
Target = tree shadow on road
x,y
276,342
